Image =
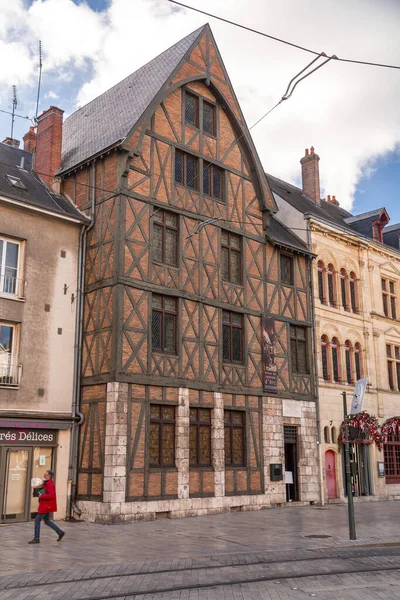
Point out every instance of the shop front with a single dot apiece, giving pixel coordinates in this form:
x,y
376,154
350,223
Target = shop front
x,y
24,453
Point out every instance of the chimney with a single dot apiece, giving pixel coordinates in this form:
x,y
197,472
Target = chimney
x,y
310,175
30,140
11,142
332,200
48,144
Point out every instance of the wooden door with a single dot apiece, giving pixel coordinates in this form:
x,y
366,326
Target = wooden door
x,y
330,469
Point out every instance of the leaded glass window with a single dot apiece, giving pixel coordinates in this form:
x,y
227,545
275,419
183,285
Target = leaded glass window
x,y
165,237
213,181
286,268
321,289
324,353
357,360
335,359
191,109
391,452
389,299
162,436
164,324
299,349
353,299
331,287
348,352
234,433
231,254
200,437
343,288
186,170
232,337
209,118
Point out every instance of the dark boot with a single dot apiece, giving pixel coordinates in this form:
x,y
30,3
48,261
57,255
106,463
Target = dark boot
x,y
34,541
60,537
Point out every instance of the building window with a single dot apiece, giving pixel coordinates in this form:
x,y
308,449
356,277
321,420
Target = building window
x,y
164,324
165,237
343,288
298,349
234,432
232,337
213,181
162,436
357,360
391,453
186,170
389,298
335,359
209,121
324,354
353,297
331,285
348,352
333,435
9,262
8,359
321,287
191,109
393,365
200,437
286,269
326,435
231,250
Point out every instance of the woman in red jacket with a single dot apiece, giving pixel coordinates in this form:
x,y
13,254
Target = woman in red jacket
x,y
47,505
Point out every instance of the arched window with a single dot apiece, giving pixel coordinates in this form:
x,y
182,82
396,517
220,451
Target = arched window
x,y
335,359
348,351
343,288
321,287
324,354
333,435
353,298
331,287
357,359
326,435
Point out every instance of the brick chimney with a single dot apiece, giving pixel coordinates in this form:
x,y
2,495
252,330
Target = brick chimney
x,y
11,142
48,144
332,200
310,175
30,140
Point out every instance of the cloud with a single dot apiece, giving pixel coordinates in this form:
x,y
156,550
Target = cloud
x,y
51,95
348,112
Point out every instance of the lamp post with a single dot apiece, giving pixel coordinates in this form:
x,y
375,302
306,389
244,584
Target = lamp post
x,y
350,500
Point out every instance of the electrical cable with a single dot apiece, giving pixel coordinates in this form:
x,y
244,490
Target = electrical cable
x,y
348,60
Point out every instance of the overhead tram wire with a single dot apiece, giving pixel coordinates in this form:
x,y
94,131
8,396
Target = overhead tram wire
x,y
276,39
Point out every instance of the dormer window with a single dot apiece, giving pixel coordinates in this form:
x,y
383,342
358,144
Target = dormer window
x,y
15,182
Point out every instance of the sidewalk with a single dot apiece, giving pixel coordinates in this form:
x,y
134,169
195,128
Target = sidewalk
x,y
278,530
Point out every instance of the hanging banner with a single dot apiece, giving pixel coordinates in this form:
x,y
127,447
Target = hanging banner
x,y
358,398
270,371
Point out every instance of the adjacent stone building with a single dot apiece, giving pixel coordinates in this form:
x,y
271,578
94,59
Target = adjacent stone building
x,y
198,389
356,294
39,242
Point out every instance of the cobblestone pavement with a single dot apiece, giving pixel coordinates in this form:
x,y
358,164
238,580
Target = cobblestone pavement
x,y
250,555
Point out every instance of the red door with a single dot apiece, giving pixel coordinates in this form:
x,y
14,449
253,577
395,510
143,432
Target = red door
x,y
330,473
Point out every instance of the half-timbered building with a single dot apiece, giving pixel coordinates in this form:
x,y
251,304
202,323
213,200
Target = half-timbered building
x,y
197,372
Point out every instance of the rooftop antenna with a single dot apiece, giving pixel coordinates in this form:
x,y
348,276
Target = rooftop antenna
x,y
39,82
14,106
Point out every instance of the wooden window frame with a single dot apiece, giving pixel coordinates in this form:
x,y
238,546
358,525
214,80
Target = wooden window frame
x,y
185,156
197,424
231,327
231,250
389,298
214,118
229,423
391,456
4,283
288,257
294,342
188,94
393,365
210,167
163,311
199,113
160,219
161,421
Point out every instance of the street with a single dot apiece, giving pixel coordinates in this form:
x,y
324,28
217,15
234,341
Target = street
x,y
287,553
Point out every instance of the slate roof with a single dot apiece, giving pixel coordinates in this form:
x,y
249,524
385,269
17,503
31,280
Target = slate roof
x,y
282,236
391,236
109,118
36,193
365,216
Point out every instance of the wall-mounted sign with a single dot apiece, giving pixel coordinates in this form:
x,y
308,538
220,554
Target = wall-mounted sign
x,y
28,437
270,370
358,398
381,469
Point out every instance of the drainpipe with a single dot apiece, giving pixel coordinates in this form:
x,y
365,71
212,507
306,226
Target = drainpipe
x,y
77,416
317,407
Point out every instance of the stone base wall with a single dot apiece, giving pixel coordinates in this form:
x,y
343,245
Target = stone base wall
x,y
272,413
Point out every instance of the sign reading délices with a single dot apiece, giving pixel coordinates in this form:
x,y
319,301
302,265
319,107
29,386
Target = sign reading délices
x,y
28,437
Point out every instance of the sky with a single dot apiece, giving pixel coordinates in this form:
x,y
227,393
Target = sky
x,y
349,113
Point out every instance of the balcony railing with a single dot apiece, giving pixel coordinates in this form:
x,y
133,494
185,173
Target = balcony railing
x,y
11,285
10,374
